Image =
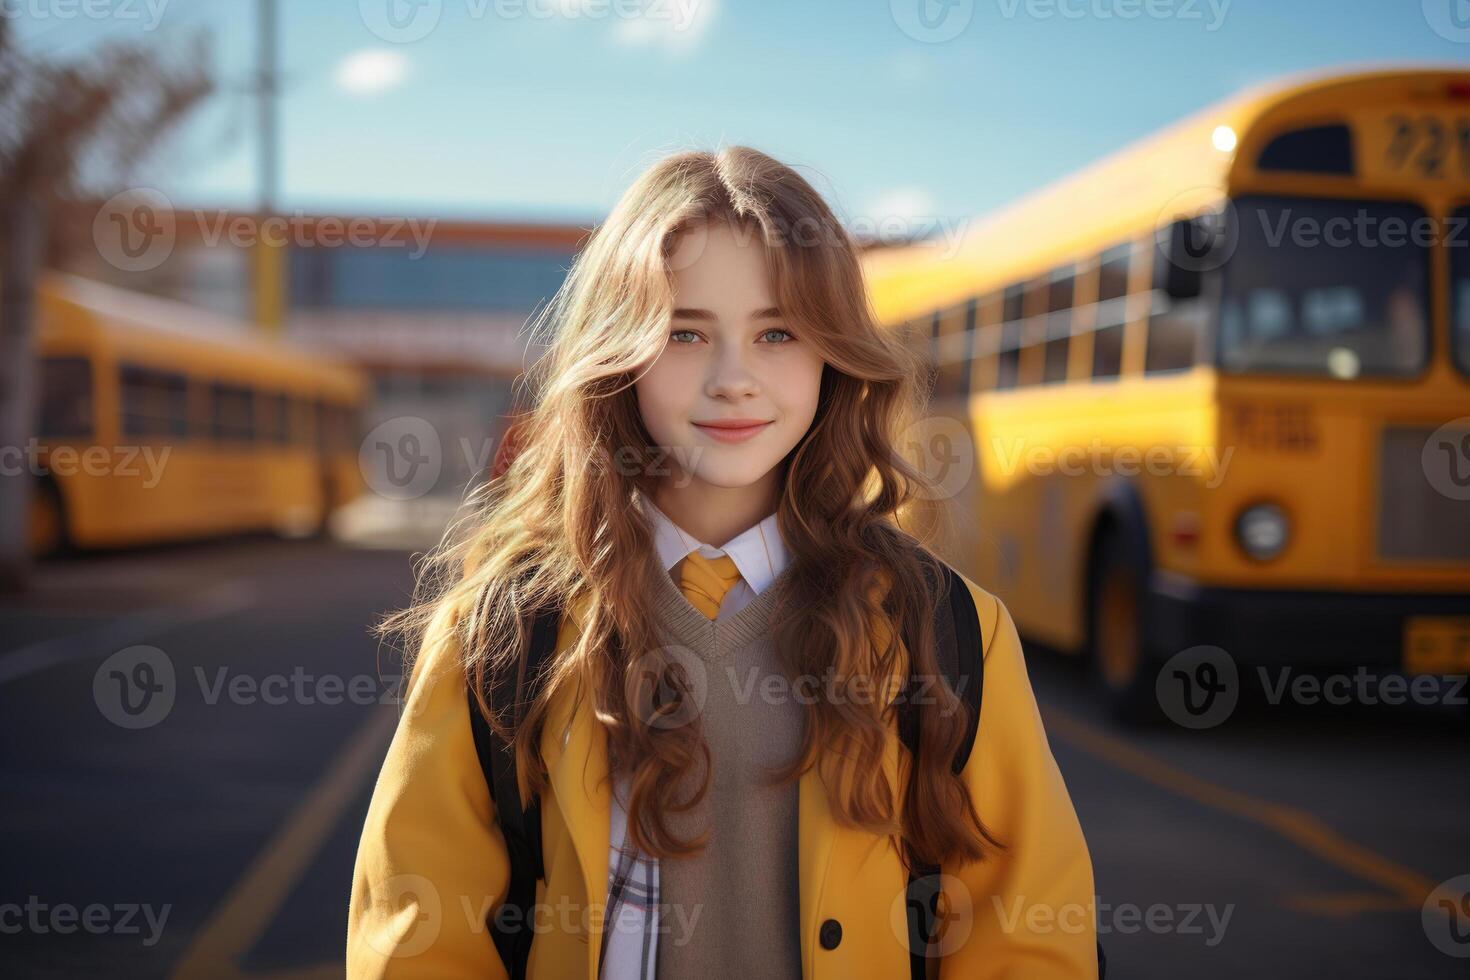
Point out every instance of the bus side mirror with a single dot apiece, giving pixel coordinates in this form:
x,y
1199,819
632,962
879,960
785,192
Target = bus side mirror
x,y
1185,253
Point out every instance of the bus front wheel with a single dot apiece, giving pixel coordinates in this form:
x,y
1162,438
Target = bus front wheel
x,y
1123,665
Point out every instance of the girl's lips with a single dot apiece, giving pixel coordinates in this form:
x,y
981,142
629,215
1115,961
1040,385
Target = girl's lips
x,y
731,433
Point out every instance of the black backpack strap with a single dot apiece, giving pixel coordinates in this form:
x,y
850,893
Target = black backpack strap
x,y
510,925
961,660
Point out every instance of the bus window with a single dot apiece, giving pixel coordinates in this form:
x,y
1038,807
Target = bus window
x,y
154,403
967,363
277,423
953,358
1460,291
232,412
1304,293
1175,328
982,343
1058,324
943,382
1112,311
66,398
1012,304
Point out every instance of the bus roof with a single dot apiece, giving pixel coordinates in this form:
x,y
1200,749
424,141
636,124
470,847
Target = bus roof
x,y
1168,174
168,333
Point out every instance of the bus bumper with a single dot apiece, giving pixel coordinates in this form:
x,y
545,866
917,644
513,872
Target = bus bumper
x,y
1304,628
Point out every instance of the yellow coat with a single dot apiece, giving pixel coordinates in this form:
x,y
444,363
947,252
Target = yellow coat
x,y
431,865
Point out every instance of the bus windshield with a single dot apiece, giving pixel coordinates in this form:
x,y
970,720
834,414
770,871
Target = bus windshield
x,y
1334,288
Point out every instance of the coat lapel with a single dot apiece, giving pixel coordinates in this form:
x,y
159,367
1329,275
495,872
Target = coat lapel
x,y
575,751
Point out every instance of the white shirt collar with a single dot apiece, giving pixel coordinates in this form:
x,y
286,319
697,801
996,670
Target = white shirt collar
x,y
758,552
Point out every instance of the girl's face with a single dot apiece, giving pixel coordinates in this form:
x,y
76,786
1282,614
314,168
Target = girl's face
x,y
730,357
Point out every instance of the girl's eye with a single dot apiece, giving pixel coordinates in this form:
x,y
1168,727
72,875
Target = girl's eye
x,y
787,333
676,333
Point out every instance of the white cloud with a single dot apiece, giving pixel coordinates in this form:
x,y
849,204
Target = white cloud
x,y
677,26
902,202
370,71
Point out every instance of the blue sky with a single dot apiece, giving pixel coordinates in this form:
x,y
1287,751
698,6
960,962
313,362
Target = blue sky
x,y
547,108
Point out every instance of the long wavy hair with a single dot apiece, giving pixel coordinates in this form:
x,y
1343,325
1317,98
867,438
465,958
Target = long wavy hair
x,y
558,526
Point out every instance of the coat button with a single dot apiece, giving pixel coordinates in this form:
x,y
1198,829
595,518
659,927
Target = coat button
x,y
831,934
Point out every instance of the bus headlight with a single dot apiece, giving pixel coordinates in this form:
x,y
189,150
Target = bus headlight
x,y
1262,530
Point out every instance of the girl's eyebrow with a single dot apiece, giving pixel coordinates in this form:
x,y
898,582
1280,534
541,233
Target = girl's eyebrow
x,y
685,313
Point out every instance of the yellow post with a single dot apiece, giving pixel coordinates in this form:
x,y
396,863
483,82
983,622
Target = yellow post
x,y
270,285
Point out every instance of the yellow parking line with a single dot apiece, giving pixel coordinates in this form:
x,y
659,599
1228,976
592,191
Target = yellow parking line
x,y
1297,826
251,905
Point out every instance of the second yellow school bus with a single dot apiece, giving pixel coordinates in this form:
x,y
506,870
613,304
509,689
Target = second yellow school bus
x,y
1217,386
155,424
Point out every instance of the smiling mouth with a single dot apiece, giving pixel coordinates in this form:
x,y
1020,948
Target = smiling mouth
x,y
734,431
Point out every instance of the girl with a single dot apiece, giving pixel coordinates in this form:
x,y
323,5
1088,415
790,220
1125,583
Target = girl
x,y
708,489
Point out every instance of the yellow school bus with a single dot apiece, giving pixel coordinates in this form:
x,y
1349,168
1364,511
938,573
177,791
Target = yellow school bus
x,y
156,422
1216,387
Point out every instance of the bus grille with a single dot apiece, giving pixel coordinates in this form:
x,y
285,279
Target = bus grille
x,y
1415,520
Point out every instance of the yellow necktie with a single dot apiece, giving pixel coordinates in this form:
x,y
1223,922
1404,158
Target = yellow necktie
x,y
704,581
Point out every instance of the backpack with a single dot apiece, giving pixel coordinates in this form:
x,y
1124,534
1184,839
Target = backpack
x,y
958,631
